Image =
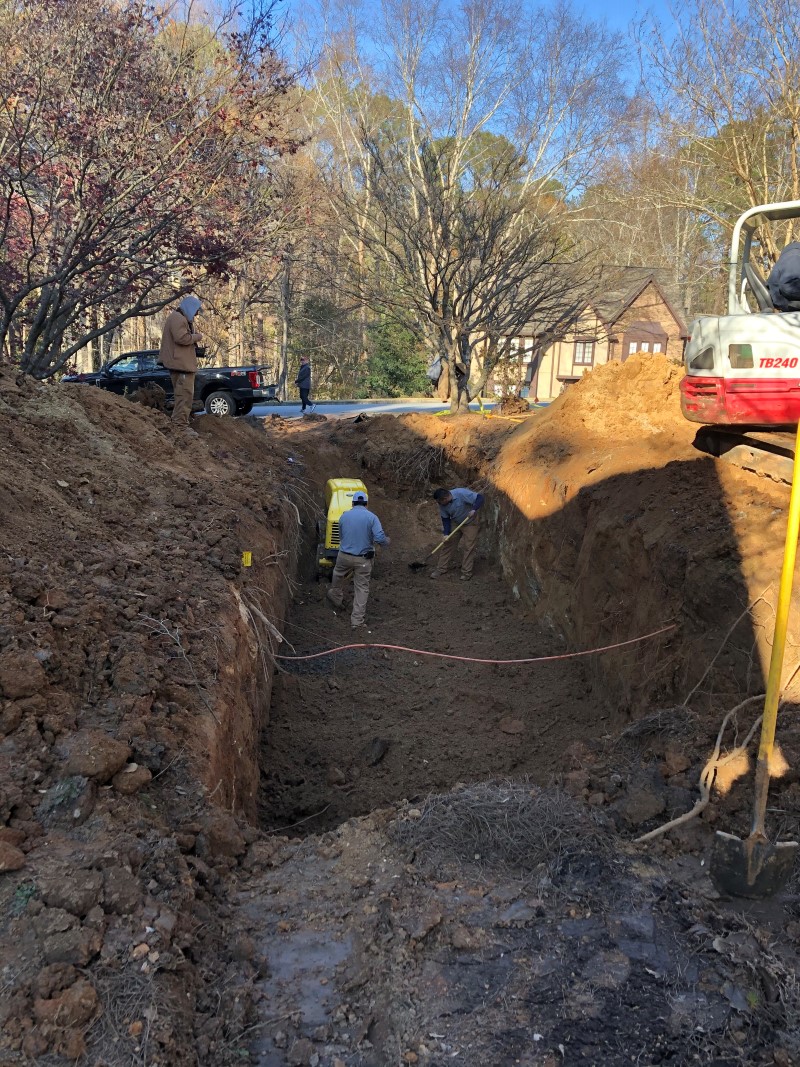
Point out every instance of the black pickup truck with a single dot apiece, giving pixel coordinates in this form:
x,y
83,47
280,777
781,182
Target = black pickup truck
x,y
217,390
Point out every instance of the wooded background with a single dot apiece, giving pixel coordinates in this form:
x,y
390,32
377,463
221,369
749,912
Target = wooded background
x,y
374,186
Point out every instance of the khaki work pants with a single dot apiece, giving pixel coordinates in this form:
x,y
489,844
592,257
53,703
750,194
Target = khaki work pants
x,y
361,569
183,388
468,535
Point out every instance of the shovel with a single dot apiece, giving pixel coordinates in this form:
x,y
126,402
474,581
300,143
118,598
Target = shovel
x,y
419,564
757,867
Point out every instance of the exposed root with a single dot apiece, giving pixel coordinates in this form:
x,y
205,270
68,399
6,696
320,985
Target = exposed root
x,y
161,628
677,722
121,1034
724,642
709,772
415,468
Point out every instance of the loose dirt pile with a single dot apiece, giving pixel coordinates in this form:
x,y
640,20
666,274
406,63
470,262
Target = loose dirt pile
x,y
513,405
131,679
385,950
146,919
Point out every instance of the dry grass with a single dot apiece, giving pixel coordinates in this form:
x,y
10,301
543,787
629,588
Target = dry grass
x,y
128,997
504,824
676,722
408,466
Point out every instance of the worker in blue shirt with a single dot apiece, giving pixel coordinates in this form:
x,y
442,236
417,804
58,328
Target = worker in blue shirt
x,y
455,505
359,532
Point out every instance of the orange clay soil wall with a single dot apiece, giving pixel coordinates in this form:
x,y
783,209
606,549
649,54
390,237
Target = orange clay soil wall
x,y
610,524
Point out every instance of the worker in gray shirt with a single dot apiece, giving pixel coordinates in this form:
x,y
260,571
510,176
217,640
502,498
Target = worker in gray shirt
x,y
456,505
359,532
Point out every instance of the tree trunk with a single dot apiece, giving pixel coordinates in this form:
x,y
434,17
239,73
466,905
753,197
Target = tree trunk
x,y
459,395
242,329
285,311
443,385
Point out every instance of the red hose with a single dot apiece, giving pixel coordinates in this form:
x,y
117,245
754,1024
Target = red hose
x,y
474,659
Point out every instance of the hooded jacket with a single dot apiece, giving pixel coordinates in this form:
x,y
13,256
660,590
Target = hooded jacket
x,y
784,279
178,340
303,379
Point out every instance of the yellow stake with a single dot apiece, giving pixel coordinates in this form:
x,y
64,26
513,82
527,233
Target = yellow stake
x,y
770,719
247,559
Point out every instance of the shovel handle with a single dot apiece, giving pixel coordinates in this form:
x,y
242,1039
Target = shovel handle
x,y
451,534
768,723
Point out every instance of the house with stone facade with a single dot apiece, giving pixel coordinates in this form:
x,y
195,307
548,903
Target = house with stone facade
x,y
633,313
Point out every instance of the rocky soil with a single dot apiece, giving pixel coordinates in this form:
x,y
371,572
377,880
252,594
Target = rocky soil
x,y
132,690
389,859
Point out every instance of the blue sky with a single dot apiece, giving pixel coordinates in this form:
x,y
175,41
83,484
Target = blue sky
x,y
620,13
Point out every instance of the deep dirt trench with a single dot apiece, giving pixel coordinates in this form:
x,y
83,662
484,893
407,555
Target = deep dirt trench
x,y
399,937
484,923
363,729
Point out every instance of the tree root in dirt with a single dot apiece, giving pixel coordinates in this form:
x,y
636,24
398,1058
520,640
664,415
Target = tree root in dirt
x,y
716,763
724,642
709,773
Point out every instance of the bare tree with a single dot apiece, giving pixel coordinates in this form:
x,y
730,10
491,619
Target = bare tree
x,y
727,80
466,138
633,216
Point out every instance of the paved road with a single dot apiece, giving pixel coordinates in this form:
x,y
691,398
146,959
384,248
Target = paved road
x,y
353,407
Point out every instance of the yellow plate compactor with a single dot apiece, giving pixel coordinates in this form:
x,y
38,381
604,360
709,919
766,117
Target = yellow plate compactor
x,y
338,499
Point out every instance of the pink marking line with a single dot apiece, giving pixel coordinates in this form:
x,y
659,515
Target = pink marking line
x,y
475,659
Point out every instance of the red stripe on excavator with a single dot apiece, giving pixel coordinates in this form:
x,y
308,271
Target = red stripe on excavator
x,y
741,401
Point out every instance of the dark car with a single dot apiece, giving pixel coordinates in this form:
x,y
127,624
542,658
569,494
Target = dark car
x,y
217,390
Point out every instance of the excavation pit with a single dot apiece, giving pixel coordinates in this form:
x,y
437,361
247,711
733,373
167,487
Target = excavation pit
x,y
363,728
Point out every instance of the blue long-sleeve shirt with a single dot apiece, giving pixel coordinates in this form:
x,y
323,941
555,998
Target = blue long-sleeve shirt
x,y
360,531
453,513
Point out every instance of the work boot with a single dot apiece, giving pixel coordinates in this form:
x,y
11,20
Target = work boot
x,y
466,577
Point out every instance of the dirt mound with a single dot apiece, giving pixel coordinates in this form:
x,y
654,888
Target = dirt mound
x,y
150,395
131,682
513,405
604,492
623,400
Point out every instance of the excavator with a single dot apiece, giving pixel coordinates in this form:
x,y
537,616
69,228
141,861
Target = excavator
x,y
742,378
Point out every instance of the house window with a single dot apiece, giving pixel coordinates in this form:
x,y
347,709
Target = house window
x,y
584,353
644,337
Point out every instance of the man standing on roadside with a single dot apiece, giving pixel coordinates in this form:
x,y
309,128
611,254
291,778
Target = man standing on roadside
x,y
179,355
359,532
303,383
456,505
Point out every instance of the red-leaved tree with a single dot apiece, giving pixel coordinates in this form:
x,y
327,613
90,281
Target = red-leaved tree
x,y
136,151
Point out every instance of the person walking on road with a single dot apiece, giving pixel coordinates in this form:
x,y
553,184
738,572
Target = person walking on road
x,y
178,354
303,383
455,505
359,532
